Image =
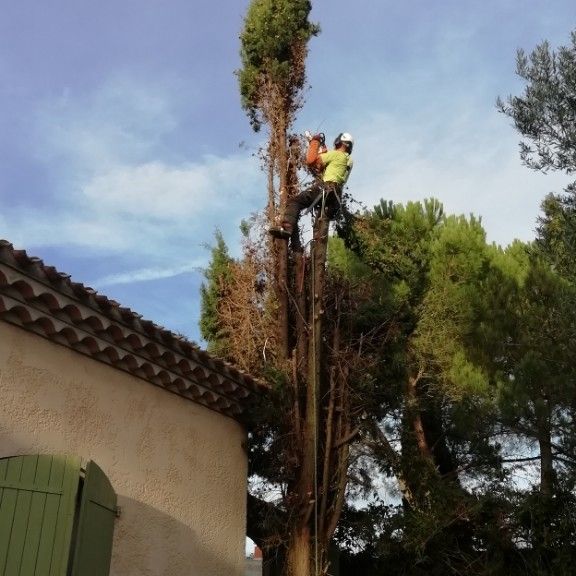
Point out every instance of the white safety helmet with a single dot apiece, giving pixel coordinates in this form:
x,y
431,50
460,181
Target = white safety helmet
x,y
344,138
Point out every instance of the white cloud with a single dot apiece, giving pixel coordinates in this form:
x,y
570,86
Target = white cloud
x,y
145,214
116,189
147,209
470,165
146,274
158,191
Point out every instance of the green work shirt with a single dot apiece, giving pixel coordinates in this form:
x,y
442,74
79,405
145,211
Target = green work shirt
x,y
337,166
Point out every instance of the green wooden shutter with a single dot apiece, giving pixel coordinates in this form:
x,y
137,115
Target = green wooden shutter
x,y
93,548
37,503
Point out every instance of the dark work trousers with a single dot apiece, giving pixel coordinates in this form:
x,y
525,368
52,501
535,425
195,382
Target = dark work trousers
x,y
305,199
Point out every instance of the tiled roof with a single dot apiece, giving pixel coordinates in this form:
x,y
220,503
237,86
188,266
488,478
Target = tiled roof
x,y
42,300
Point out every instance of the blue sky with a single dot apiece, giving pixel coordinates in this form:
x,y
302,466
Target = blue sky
x,y
123,146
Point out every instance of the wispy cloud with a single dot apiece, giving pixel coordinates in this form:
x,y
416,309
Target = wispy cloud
x,y
147,274
122,121
118,190
178,193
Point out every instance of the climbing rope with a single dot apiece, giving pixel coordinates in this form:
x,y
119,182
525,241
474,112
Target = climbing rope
x,y
315,383
314,405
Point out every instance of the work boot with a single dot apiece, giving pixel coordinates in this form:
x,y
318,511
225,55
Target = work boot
x,y
283,231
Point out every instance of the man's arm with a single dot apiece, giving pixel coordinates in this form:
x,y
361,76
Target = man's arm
x,y
315,148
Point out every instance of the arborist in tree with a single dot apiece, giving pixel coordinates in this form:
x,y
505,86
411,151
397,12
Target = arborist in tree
x,y
332,169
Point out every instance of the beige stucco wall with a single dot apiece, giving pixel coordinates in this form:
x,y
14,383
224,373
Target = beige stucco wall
x,y
179,469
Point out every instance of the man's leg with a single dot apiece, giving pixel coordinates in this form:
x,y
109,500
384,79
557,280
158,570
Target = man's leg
x,y
294,206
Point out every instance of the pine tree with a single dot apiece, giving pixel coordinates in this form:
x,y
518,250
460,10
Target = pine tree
x,y
545,115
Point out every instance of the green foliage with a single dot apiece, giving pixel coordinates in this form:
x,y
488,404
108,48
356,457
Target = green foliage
x,y
437,270
344,262
395,240
546,113
448,327
212,293
557,232
487,335
273,44
547,528
541,357
447,305
513,262
471,379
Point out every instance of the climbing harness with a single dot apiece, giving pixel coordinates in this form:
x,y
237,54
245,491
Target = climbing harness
x,y
322,198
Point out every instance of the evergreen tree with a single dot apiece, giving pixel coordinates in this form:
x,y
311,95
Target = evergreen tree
x,y
300,445
556,238
273,51
213,292
274,46
537,407
433,424
545,115
474,387
538,402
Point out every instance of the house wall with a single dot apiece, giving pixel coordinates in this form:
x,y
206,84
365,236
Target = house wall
x,y
179,469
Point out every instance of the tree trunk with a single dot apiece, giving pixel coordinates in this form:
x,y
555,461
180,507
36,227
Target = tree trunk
x,y
282,247
413,417
381,446
547,474
300,552
305,555
424,443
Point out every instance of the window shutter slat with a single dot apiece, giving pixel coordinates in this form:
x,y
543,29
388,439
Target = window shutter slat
x,y
65,516
8,508
35,522
21,515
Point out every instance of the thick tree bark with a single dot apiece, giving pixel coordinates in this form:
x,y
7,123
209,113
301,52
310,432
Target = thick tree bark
x,y
300,552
